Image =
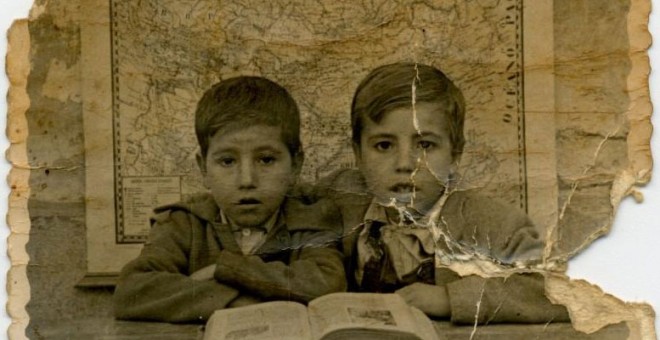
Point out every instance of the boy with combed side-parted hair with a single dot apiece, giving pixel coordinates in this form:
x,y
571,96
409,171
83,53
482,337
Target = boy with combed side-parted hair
x,y
407,122
246,241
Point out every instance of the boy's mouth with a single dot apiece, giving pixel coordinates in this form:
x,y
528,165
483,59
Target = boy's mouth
x,y
403,188
248,201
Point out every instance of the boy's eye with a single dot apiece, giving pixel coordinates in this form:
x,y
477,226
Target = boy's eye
x,y
227,161
424,144
383,146
266,160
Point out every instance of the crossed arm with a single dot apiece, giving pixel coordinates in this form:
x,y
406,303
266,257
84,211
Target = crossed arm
x,y
157,285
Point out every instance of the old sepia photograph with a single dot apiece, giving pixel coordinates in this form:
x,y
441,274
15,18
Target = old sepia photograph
x,y
309,169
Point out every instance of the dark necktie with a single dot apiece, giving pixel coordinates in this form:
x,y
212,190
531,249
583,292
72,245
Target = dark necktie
x,y
377,275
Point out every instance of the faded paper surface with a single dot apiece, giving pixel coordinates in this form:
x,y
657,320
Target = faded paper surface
x,y
104,109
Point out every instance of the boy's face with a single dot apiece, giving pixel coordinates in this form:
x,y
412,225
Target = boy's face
x,y
249,172
403,163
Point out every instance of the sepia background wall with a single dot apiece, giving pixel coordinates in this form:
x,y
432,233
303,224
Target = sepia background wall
x,y
591,69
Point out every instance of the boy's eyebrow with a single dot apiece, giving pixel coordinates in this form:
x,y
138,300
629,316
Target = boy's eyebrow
x,y
427,133
267,148
221,151
382,135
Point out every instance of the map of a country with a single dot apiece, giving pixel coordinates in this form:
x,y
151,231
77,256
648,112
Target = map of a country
x,y
167,52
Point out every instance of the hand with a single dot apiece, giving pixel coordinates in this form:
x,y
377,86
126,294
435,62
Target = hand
x,y
244,300
204,274
430,299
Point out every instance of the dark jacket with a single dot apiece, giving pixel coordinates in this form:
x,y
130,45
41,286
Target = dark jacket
x,y
298,261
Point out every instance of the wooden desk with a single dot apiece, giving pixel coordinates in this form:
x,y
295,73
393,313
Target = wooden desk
x,y
554,331
108,329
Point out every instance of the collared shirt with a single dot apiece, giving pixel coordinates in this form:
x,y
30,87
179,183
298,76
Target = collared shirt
x,y
406,245
252,238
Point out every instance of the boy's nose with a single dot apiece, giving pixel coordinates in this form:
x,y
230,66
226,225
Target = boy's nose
x,y
406,160
247,176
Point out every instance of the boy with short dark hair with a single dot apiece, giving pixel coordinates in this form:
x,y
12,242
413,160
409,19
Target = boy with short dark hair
x,y
245,242
407,122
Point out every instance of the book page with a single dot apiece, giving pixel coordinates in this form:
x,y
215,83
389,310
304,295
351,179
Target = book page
x,y
359,310
271,320
425,328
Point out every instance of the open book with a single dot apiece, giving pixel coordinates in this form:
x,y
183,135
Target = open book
x,y
333,316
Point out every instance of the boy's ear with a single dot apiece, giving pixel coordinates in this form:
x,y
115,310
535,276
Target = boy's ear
x,y
357,153
453,168
297,163
456,160
201,163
